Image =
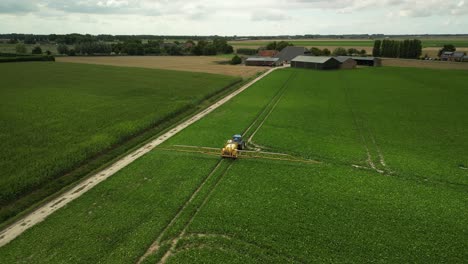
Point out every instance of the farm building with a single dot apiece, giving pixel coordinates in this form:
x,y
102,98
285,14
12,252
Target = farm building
x,y
365,61
287,54
465,58
268,53
261,61
452,56
346,63
314,62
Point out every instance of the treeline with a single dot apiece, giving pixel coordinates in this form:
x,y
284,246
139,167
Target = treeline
x,y
156,47
72,39
408,49
313,51
9,57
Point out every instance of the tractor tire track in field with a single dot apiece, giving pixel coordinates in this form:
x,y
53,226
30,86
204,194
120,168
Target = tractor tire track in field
x,y
184,231
366,136
188,212
41,213
265,114
156,244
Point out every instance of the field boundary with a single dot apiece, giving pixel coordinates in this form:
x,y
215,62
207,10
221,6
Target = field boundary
x,y
47,209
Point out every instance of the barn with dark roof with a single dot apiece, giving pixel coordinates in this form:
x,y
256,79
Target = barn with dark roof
x,y
289,53
317,63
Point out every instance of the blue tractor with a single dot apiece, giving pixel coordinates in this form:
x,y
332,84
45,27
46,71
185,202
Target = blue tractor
x,y
240,142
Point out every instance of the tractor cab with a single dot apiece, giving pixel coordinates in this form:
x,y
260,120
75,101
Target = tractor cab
x,y
238,139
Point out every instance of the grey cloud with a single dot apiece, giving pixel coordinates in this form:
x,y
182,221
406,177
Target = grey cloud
x,y
17,6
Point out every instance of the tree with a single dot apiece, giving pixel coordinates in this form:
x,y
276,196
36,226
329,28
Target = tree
x,y
62,49
209,49
326,52
376,52
236,60
48,52
271,46
316,51
37,50
363,52
21,48
282,44
447,47
198,49
353,51
340,52
222,46
30,40
278,45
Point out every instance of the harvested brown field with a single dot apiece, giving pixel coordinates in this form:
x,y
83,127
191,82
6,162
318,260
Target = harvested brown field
x,y
178,63
425,64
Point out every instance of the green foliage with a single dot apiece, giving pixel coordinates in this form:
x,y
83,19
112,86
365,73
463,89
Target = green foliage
x,y
340,52
21,48
99,107
326,52
353,52
316,51
410,49
376,52
36,50
236,60
219,45
209,49
62,49
30,40
246,51
27,58
92,48
278,45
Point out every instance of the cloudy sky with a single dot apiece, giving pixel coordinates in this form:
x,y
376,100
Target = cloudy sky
x,y
240,17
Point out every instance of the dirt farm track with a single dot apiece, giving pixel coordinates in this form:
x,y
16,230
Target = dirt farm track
x,y
180,63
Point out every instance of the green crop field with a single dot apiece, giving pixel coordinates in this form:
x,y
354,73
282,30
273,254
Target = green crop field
x,y
56,116
389,181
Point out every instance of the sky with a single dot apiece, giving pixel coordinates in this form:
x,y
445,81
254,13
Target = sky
x,y
240,17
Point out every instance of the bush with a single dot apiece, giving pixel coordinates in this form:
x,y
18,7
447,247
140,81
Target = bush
x,y
21,48
27,58
62,49
236,60
340,52
37,50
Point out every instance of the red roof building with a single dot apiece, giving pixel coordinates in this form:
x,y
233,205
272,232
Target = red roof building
x,y
268,53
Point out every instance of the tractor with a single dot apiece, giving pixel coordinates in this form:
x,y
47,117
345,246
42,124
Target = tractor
x,y
232,147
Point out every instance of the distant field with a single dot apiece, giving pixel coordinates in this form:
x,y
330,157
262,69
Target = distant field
x,y
390,186
207,64
448,65
349,43
59,115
